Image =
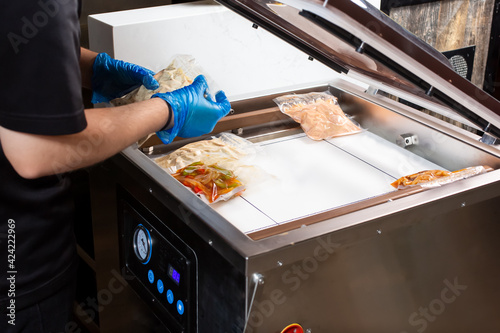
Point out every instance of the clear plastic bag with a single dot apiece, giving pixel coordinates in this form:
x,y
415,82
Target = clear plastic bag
x,y
435,178
225,151
318,113
181,72
210,182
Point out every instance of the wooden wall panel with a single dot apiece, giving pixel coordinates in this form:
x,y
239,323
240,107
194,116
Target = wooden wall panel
x,y
451,24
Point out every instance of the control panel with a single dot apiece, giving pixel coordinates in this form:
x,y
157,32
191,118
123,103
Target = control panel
x,y
164,268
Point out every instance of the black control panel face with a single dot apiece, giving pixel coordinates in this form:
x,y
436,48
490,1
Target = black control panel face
x,y
164,267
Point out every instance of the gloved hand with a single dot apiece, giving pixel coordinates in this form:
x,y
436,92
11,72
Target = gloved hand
x,y
114,78
194,111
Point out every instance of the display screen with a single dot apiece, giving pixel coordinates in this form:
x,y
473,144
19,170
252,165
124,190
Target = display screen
x,y
174,274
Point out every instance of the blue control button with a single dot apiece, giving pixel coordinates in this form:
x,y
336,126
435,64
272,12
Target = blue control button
x,y
180,307
159,286
151,276
170,296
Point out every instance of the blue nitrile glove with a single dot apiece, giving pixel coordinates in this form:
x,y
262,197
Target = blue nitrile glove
x,y
114,78
194,111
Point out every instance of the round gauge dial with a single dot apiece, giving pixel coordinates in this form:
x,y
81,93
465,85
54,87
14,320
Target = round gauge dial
x,y
142,244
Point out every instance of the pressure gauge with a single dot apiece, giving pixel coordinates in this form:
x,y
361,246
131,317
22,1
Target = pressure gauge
x,y
142,244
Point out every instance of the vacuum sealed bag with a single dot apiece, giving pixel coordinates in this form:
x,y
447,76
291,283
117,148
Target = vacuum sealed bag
x,y
434,178
227,150
318,113
216,169
210,181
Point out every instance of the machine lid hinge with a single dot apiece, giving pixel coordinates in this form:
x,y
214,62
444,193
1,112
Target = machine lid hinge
x,y
488,138
430,91
361,48
371,90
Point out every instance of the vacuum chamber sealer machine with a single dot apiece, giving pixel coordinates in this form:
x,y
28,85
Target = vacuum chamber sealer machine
x,y
330,245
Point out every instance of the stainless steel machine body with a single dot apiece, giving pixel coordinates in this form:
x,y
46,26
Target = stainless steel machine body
x,y
422,260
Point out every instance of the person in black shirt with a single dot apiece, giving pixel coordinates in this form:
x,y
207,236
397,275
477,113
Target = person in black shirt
x,y
45,132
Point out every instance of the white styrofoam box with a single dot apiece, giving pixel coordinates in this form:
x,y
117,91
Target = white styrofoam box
x,y
243,61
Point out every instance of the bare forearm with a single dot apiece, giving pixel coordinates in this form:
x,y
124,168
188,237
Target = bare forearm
x,y
87,58
109,131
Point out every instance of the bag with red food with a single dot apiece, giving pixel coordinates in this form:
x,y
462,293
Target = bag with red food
x,y
210,182
205,160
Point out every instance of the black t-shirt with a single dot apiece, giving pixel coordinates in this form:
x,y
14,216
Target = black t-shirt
x,y
40,93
